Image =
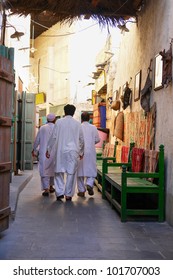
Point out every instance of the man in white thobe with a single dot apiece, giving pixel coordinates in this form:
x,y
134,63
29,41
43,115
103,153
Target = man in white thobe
x,y
67,137
46,166
87,169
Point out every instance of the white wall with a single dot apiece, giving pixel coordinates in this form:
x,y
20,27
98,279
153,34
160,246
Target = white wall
x,y
67,59
52,63
21,58
144,41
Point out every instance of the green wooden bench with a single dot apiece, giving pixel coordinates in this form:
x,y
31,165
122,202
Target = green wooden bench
x,y
111,166
109,150
132,194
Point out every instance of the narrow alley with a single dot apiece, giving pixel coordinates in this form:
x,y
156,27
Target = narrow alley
x,y
83,229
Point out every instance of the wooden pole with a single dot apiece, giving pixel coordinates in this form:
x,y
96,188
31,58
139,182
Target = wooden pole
x,y
3,28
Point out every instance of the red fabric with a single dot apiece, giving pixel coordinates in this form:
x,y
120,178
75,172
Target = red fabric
x,y
124,154
137,159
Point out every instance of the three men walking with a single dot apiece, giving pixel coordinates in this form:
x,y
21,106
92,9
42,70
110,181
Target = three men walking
x,y
67,149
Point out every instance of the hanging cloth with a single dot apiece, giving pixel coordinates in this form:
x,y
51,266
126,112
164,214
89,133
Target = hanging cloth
x,y
145,92
137,159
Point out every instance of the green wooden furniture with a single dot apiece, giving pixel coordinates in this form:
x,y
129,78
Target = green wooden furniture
x,y
99,160
110,166
108,150
133,195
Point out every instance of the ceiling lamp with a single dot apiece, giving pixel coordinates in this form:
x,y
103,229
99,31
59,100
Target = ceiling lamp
x,y
16,34
123,27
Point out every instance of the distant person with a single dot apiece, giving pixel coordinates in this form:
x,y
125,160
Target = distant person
x,y
46,166
87,169
67,137
91,121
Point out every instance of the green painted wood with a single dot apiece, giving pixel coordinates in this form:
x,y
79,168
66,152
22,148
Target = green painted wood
x,y
28,123
116,205
139,212
11,55
142,175
109,165
161,184
104,171
129,183
3,51
123,195
115,149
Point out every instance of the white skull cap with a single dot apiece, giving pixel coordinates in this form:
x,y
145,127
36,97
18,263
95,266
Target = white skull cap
x,y
51,117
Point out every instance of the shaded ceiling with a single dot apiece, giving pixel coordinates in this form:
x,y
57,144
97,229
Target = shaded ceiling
x,y
50,12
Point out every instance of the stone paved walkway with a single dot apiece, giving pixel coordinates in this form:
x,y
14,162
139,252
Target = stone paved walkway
x,y
84,229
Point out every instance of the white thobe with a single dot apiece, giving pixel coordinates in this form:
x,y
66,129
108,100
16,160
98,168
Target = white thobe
x,y
87,166
46,166
68,140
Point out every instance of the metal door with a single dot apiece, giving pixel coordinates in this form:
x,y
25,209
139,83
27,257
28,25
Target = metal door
x,y
6,94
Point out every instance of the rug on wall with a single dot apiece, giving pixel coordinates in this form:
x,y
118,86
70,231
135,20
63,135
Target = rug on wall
x,y
140,128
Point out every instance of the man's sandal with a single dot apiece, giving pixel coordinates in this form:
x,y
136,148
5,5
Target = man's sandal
x,y
51,190
45,193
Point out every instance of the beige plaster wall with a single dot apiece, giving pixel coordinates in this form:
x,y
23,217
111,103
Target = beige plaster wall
x,y
152,34
52,60
57,58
